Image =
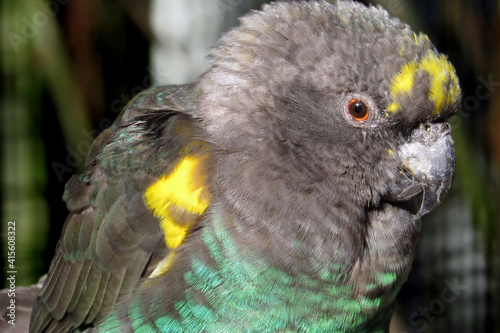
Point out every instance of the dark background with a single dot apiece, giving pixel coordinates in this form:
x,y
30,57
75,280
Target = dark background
x,y
69,66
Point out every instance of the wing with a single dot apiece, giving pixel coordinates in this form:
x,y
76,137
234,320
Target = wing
x,y
124,216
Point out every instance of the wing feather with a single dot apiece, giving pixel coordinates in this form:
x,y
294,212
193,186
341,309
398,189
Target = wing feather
x,y
111,239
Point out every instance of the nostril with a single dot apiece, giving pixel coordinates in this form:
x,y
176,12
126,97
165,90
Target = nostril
x,y
445,127
438,128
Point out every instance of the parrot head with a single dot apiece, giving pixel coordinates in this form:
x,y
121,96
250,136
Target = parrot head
x,y
326,114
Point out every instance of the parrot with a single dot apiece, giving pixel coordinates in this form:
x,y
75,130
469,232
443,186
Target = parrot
x,y
281,192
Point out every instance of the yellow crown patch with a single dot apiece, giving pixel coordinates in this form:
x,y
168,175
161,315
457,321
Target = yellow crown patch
x,y
443,88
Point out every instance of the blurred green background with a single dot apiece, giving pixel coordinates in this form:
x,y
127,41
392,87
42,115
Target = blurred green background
x,y
69,66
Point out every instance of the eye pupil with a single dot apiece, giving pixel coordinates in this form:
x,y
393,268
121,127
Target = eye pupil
x,y
358,110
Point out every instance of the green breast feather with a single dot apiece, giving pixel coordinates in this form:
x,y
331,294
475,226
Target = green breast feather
x,y
242,290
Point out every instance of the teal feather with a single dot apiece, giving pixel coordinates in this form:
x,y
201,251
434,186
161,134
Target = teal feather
x,y
241,288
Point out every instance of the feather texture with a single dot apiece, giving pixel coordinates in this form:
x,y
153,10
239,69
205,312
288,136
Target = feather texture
x,y
254,200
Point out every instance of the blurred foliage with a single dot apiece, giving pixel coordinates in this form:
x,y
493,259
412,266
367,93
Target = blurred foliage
x,y
33,60
68,67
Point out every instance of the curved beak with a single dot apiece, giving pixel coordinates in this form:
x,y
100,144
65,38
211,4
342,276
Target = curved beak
x,y
428,160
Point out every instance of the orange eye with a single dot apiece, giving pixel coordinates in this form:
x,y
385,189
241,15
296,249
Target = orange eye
x,y
358,110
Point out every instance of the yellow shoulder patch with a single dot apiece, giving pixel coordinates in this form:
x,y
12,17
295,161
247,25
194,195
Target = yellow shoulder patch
x,y
182,189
